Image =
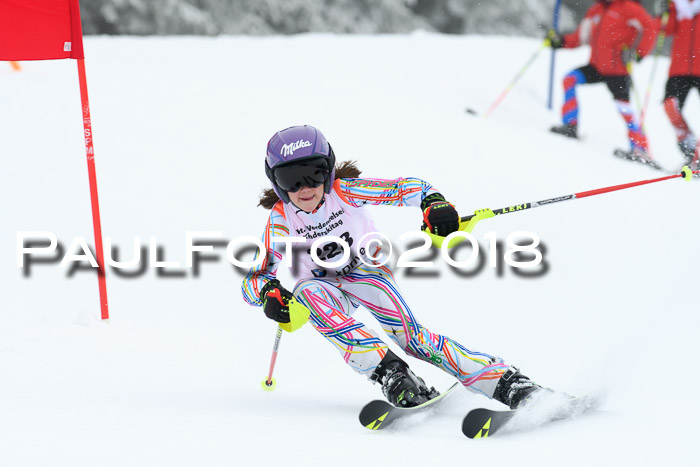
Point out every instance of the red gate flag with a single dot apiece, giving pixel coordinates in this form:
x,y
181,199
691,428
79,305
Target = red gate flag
x,y
40,30
49,30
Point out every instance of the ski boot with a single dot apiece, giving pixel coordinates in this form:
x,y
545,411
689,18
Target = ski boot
x,y
400,386
641,155
570,130
637,155
688,147
515,389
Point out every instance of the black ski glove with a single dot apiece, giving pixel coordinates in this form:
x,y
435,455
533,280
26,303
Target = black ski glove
x,y
556,41
275,299
439,216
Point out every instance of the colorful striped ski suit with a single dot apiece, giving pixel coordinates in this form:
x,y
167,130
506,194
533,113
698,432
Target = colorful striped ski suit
x,y
333,295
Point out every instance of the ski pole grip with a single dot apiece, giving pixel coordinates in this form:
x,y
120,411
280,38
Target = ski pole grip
x,y
478,215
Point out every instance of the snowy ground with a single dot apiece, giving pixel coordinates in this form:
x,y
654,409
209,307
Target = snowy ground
x,y
180,129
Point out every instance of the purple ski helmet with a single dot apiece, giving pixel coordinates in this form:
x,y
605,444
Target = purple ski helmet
x,y
299,156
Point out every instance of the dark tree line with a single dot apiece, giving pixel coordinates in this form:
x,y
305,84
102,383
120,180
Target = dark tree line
x,y
262,17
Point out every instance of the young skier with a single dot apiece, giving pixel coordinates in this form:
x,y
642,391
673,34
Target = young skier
x,y
618,31
312,198
684,74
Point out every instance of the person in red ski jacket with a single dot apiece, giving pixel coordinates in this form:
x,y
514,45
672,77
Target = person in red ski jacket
x,y
618,32
683,23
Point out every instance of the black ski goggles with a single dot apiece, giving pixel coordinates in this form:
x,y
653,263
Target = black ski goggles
x,y
311,173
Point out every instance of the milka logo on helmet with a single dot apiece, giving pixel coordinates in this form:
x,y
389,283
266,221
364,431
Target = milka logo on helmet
x,y
288,149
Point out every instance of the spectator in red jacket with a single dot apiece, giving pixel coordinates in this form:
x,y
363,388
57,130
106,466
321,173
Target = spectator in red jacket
x,y
618,31
684,25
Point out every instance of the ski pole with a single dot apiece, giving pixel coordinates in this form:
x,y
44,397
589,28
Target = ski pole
x,y
686,174
659,46
637,100
635,92
269,383
516,78
555,26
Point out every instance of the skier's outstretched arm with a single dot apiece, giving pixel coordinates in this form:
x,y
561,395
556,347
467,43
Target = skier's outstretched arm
x,y
439,216
648,32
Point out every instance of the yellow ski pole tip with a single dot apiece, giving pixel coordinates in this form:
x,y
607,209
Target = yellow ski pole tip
x,y
268,387
687,173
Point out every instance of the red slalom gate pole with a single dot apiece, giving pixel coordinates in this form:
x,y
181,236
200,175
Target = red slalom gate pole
x,y
686,174
92,175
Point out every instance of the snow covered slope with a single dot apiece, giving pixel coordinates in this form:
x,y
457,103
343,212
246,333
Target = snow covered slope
x,y
180,128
